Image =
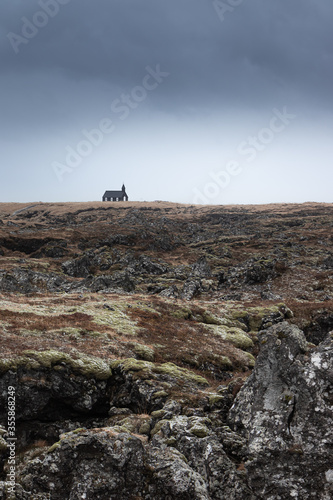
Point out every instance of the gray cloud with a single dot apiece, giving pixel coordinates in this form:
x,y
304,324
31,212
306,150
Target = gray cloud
x,y
269,45
265,54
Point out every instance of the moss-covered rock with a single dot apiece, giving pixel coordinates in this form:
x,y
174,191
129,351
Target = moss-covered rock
x,y
144,352
145,428
115,317
182,313
262,317
209,318
200,431
53,447
158,414
88,366
199,427
180,373
215,399
251,360
131,365
158,426
159,394
146,369
235,336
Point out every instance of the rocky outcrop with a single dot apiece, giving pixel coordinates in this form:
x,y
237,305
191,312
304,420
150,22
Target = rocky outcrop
x,y
25,245
191,288
115,461
51,385
201,268
318,328
109,464
120,280
28,281
78,268
171,292
254,271
173,299
285,412
133,439
144,265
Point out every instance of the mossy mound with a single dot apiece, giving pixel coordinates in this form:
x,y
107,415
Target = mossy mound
x,y
255,317
199,426
143,352
182,313
115,316
235,336
88,366
146,369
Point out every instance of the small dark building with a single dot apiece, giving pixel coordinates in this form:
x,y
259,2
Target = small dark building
x,y
116,195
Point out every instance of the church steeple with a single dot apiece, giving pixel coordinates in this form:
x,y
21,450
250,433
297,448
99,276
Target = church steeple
x,y
123,188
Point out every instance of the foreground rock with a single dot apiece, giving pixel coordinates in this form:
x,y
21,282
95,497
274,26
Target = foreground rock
x,y
104,464
130,429
285,411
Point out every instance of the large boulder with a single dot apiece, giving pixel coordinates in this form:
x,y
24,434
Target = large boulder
x,y
201,268
105,464
206,450
27,281
251,272
144,265
78,268
119,280
51,385
192,288
285,411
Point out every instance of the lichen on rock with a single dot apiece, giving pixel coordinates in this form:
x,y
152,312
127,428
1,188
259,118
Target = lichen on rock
x,y
285,411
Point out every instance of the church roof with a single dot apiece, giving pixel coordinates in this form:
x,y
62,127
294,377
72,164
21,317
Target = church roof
x,y
114,194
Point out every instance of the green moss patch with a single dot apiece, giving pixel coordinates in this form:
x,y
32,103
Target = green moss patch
x,y
146,369
235,336
143,352
254,316
84,365
180,373
182,313
116,318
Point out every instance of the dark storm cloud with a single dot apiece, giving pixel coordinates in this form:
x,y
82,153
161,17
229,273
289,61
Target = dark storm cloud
x,y
266,52
230,64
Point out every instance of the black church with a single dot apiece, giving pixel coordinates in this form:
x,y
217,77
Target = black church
x,y
116,195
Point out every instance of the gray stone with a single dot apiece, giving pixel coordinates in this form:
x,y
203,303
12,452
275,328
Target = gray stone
x,y
285,411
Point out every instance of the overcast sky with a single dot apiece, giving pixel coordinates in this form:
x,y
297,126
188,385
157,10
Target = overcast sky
x,y
194,101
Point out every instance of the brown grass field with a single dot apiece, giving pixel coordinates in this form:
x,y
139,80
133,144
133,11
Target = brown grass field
x,y
293,240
